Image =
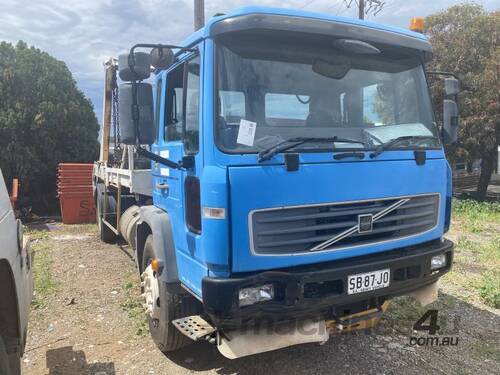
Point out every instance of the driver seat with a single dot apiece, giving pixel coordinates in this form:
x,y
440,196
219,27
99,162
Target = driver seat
x,y
323,112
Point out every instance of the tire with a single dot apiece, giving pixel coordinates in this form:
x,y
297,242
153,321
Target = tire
x,y
105,233
172,306
4,359
15,364
9,364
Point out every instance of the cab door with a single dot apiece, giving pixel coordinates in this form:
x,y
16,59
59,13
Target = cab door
x,y
177,191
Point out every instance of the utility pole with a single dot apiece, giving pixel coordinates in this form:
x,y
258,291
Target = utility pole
x,y
366,6
199,14
361,9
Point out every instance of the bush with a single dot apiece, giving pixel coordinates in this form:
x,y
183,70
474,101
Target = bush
x,y
44,120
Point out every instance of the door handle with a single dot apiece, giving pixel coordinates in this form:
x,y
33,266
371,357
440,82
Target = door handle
x,y
162,186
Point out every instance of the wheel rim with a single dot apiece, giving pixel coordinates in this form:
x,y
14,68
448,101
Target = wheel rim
x,y
151,292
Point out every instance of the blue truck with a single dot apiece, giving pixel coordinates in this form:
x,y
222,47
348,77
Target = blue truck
x,y
279,168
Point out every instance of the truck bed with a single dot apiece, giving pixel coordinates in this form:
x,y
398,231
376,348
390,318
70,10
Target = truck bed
x,y
138,181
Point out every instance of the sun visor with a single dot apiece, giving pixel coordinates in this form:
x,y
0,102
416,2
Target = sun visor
x,y
262,23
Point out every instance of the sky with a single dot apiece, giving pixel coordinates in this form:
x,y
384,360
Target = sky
x,y
84,33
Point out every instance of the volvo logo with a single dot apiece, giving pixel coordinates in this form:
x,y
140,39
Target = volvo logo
x,y
364,225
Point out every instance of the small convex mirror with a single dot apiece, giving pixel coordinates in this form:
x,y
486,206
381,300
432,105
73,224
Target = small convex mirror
x,y
134,68
162,58
451,86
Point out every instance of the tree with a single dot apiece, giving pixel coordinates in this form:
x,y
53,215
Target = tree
x,y
465,41
44,120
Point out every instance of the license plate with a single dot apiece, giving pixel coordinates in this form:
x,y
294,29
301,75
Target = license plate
x,y
364,282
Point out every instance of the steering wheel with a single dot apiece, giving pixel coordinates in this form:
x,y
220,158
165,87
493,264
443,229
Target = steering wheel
x,y
307,101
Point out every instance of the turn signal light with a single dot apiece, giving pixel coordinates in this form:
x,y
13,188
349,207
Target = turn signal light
x,y
417,24
214,213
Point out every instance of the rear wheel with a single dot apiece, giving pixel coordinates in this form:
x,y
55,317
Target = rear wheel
x,y
164,306
105,232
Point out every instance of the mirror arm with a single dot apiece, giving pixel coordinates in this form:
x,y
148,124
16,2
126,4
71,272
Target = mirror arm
x,y
440,73
160,46
135,105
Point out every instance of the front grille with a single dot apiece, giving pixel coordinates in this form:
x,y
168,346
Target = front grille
x,y
300,229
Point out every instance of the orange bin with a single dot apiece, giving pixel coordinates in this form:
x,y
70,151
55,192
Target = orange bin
x,y
74,188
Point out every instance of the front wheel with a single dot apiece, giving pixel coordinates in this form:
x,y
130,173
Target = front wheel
x,y
163,306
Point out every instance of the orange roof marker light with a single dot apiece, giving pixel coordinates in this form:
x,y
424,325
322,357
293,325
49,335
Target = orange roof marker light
x,y
417,24
155,265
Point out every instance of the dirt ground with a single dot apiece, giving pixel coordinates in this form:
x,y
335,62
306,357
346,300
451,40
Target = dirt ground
x,y
87,319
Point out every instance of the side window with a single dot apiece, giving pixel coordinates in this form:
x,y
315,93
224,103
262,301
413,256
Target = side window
x,y
191,138
158,106
173,104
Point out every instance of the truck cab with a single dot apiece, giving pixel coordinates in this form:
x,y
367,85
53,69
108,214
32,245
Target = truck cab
x,y
297,171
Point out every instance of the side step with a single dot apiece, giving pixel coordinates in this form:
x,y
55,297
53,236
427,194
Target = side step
x,y
194,327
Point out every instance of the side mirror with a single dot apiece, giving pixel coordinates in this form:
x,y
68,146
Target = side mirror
x,y
451,86
134,67
450,122
143,112
162,58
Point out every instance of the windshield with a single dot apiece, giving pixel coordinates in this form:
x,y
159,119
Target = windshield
x,y
272,91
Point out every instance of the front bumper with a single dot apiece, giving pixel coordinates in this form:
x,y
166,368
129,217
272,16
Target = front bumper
x,y
321,289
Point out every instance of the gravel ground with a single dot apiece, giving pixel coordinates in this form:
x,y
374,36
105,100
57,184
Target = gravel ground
x,y
87,319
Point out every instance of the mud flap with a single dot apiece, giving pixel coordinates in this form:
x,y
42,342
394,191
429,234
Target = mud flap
x,y
427,294
243,343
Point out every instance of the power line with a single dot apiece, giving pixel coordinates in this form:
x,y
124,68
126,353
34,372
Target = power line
x,y
365,7
339,9
337,4
307,4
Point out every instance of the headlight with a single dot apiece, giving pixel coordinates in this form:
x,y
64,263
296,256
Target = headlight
x,y
438,261
249,296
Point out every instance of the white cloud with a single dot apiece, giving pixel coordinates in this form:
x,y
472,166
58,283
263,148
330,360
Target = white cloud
x,y
84,33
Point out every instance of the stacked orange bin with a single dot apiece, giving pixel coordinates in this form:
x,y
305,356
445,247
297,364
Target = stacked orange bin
x,y
74,188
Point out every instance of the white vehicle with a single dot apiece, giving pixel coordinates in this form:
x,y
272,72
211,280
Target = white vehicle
x,y
16,286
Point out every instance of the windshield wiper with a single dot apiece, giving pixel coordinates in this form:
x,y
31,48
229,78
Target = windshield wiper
x,y
384,146
269,152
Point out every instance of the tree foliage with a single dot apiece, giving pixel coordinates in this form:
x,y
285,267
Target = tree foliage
x,y
465,40
44,120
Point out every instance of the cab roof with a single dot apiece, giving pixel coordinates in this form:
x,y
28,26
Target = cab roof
x,y
299,15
